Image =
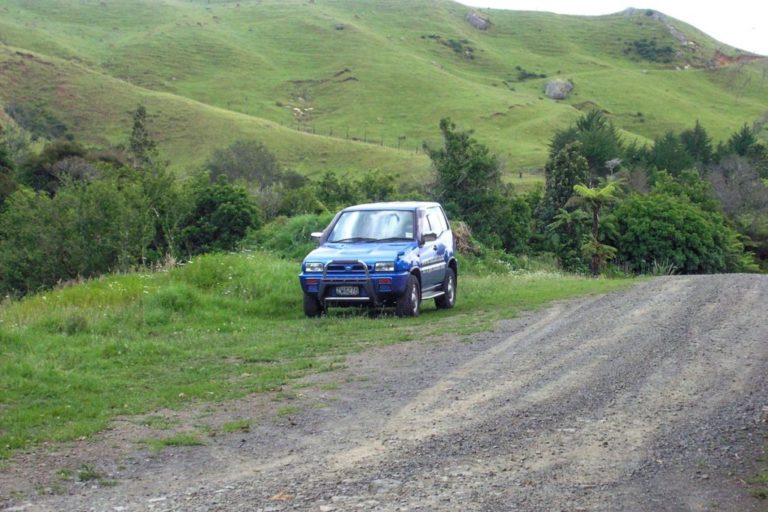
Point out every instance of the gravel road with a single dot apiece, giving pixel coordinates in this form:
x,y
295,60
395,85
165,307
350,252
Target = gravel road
x,y
654,398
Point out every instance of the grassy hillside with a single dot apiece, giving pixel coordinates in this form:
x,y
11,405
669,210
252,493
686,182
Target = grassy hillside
x,y
220,327
386,71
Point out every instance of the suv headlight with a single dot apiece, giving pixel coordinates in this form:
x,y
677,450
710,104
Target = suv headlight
x,y
384,266
313,266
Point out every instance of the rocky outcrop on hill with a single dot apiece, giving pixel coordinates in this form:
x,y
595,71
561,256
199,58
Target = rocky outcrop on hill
x,y
558,89
478,21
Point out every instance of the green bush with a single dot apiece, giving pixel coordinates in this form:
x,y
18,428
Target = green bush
x,y
86,229
221,216
663,228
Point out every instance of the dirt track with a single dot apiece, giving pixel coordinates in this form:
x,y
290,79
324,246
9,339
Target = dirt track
x,y
653,398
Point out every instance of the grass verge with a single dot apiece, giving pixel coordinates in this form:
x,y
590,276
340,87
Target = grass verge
x,y
218,328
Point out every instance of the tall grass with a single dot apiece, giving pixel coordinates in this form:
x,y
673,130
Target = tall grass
x,y
219,327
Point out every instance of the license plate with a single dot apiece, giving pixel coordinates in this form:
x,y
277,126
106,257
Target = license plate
x,y
347,291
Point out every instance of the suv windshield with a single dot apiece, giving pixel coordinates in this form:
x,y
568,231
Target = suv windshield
x,y
373,226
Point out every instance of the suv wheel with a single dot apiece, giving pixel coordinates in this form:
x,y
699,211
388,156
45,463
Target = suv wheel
x,y
448,300
312,306
410,302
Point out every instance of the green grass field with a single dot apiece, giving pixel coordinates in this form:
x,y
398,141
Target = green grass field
x,y
220,327
213,72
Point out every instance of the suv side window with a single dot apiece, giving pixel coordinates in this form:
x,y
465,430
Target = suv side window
x,y
436,220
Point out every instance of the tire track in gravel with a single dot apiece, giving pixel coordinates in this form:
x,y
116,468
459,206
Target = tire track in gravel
x,y
653,398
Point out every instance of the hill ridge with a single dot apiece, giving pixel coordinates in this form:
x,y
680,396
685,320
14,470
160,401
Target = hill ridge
x,y
412,63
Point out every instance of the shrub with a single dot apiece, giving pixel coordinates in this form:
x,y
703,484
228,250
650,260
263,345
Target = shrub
x,y
221,216
85,230
663,228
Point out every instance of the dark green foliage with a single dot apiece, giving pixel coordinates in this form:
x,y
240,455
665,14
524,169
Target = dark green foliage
x,y
38,121
221,216
468,183
375,186
565,233
688,185
648,49
141,146
594,200
564,169
249,161
169,205
334,192
668,153
741,141
523,74
697,143
58,161
659,228
7,175
337,193
515,223
465,169
599,139
298,201
86,229
460,46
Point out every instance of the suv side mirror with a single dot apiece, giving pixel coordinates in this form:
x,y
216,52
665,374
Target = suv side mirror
x,y
428,237
316,236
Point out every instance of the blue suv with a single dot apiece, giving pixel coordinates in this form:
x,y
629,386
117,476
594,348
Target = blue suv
x,y
382,254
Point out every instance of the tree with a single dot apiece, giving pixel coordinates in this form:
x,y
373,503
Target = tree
x,y
565,231
595,199
466,171
221,216
741,141
141,146
668,153
468,183
336,193
169,204
375,186
565,169
599,139
249,161
697,143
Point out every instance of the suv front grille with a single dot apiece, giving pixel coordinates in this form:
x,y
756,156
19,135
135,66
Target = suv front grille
x,y
347,268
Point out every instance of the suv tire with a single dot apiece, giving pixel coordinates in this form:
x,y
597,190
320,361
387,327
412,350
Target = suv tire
x,y
448,300
410,302
312,306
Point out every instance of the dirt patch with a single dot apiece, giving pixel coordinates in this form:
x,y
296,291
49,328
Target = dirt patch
x,y
720,59
646,399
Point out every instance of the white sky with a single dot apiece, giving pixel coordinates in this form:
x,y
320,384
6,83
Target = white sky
x,y
739,23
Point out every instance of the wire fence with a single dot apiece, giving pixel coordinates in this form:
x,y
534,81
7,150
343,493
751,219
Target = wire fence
x,y
402,142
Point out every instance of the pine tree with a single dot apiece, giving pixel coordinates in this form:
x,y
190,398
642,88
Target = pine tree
x,y
141,146
741,141
697,143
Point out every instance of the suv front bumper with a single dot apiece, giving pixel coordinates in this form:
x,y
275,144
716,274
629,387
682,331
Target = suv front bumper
x,y
371,287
